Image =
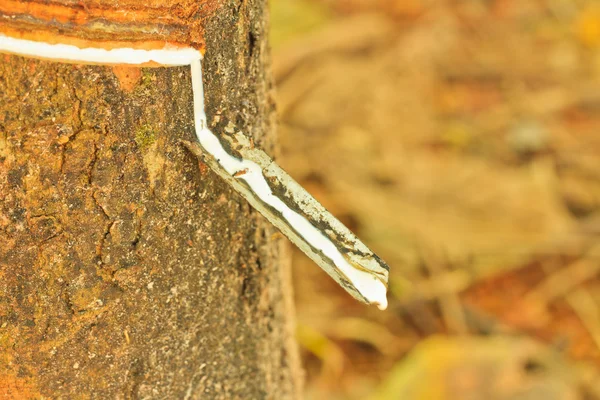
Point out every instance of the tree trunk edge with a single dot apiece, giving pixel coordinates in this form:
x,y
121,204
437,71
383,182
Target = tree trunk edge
x,y
116,281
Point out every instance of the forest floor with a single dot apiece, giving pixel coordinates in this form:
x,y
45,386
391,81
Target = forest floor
x,y
461,141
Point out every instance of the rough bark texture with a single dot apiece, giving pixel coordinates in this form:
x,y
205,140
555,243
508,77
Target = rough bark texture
x,y
128,269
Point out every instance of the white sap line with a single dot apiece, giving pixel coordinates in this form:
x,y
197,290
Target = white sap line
x,y
123,55
367,284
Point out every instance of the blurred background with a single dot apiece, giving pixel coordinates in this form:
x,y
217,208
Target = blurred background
x,y
460,140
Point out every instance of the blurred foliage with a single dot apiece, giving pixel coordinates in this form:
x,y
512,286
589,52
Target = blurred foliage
x,y
474,368
459,138
294,18
588,25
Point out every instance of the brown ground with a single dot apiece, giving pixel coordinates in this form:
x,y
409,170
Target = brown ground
x,y
460,140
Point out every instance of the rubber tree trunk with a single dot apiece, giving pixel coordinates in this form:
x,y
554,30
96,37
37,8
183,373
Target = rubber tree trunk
x,y
127,268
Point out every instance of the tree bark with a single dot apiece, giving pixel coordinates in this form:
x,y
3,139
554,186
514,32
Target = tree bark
x,y
127,268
